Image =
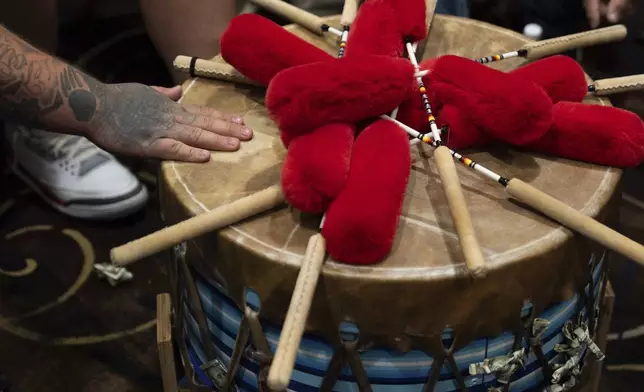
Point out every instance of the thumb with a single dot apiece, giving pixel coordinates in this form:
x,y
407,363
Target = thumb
x,y
174,93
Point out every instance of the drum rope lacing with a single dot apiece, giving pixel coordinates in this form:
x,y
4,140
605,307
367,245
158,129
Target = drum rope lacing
x,y
558,377
578,340
346,351
250,329
215,370
178,330
578,337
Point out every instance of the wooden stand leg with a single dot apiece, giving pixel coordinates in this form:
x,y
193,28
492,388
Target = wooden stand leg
x,y
606,314
164,343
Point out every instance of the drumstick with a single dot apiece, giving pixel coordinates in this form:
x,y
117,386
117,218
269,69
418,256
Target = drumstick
x,y
451,186
215,219
210,69
218,70
547,205
226,72
622,84
281,369
297,15
601,87
279,375
540,49
460,214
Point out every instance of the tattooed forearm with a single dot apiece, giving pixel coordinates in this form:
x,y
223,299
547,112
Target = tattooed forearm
x,y
40,90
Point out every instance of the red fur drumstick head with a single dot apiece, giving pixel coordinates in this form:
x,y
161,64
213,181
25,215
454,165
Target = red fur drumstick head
x,y
260,48
412,113
374,31
316,167
347,90
462,132
411,16
361,223
561,77
597,134
502,105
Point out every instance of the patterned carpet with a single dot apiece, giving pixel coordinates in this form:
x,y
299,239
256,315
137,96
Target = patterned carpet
x,y
63,329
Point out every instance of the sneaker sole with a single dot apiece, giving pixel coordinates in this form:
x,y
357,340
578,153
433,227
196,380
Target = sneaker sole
x,y
95,211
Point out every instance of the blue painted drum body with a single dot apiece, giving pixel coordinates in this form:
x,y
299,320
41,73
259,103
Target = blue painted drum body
x,y
387,370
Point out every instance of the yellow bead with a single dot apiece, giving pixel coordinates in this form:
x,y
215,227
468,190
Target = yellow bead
x,y
467,161
497,57
423,90
343,44
431,118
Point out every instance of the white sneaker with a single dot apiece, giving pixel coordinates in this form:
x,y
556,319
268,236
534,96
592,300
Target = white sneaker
x,y
73,175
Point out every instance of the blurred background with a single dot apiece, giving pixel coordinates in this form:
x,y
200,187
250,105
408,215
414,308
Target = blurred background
x,y
94,337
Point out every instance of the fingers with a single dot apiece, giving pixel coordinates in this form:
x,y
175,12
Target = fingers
x,y
174,150
216,125
201,138
174,93
615,10
592,12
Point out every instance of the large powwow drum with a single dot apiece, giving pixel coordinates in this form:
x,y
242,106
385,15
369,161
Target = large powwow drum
x,y
416,321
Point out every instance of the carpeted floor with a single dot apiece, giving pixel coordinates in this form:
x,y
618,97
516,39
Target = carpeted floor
x,y
63,329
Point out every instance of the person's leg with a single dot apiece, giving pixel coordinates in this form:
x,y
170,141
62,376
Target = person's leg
x,y
556,17
191,28
68,172
325,7
453,7
34,20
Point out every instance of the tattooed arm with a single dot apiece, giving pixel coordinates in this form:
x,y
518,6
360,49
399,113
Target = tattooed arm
x,y
39,90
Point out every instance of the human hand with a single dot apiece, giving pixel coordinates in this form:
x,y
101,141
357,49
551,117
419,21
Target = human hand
x,y
135,119
613,11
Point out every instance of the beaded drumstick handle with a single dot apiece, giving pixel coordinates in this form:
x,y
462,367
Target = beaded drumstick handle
x,y
281,369
600,87
548,205
423,93
297,15
215,219
548,47
349,12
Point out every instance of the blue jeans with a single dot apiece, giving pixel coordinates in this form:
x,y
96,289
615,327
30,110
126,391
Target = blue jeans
x,y
453,7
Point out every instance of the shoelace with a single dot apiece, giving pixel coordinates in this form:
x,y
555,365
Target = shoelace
x,y
70,147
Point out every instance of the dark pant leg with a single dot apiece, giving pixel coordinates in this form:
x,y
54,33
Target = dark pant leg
x,y
557,17
453,7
